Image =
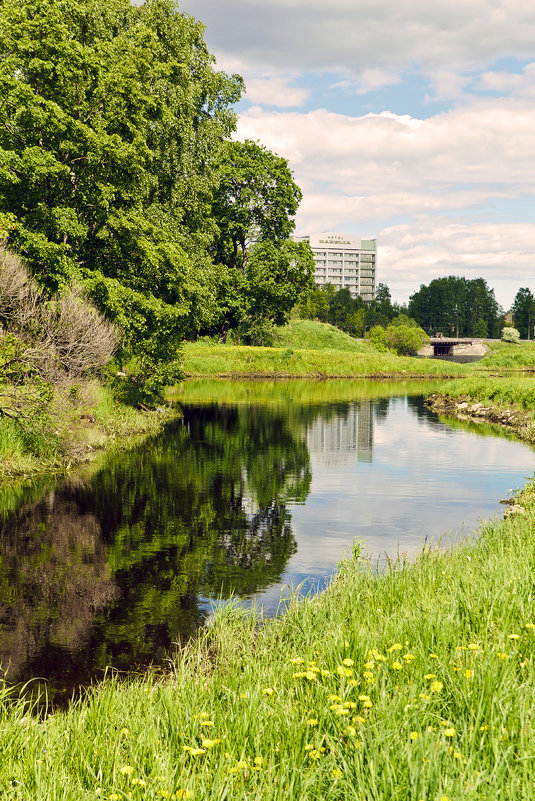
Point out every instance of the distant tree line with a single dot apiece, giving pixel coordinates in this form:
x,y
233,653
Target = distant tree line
x,y
457,307
351,314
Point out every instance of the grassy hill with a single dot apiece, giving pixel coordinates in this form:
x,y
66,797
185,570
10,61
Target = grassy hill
x,y
311,335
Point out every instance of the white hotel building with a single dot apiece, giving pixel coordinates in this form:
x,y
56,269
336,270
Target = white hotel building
x,y
344,261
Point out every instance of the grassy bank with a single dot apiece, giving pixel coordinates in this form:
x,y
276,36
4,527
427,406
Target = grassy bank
x,y
508,356
415,684
75,429
207,359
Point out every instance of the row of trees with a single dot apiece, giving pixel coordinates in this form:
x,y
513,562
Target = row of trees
x,y
117,171
467,307
353,315
457,307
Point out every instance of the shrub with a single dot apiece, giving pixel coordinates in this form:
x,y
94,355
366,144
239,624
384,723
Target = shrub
x,y
44,344
510,334
405,340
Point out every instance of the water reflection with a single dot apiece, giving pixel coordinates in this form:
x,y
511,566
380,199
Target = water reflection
x,y
112,568
347,434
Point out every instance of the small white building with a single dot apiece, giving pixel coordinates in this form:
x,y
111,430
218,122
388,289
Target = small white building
x,y
344,261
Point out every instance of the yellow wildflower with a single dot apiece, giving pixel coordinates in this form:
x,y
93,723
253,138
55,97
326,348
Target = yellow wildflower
x,y
436,686
210,743
333,698
430,676
127,770
348,662
468,674
367,704
529,626
449,732
413,735
513,636
193,751
472,646
207,723
312,722
397,666
269,690
297,661
336,773
408,657
396,647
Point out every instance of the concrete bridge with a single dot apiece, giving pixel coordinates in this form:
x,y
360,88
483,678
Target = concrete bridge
x,y
454,346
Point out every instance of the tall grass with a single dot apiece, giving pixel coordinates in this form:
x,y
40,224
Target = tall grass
x,y
507,355
502,392
206,359
418,683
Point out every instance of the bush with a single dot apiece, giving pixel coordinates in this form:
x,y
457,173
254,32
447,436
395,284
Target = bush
x,y
405,340
44,345
510,334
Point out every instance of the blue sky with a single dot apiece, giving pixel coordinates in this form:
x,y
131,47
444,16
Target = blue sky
x,y
410,122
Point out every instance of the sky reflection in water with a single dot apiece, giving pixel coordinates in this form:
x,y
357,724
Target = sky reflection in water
x,y
260,486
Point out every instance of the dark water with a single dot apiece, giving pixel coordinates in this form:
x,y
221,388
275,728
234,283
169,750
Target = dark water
x,y
256,487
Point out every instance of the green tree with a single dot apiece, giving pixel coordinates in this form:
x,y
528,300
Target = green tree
x,y
255,200
113,117
523,311
276,275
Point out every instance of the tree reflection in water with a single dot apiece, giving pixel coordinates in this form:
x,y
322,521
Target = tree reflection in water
x,y
113,570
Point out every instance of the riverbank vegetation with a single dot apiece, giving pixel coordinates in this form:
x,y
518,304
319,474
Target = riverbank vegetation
x,y
210,359
417,682
54,411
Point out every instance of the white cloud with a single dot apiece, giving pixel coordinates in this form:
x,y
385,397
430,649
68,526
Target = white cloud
x,y
359,174
443,37
517,85
272,90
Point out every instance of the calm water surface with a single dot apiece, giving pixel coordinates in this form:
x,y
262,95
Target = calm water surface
x,y
258,488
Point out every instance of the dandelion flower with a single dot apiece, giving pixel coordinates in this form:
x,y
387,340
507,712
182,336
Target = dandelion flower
x,y
430,676
396,647
408,657
207,723
436,686
210,743
513,636
194,751
127,770
312,722
413,735
348,662
297,661
449,732
468,674
269,690
397,666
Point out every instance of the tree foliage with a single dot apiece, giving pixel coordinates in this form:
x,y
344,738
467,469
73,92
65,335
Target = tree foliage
x,y
523,312
255,200
112,121
457,307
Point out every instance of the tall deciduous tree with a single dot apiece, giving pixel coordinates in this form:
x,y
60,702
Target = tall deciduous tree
x,y
111,120
255,200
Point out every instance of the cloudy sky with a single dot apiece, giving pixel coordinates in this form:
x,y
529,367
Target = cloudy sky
x,y
405,120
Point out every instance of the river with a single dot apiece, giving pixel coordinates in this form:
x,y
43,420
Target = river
x,y
257,489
